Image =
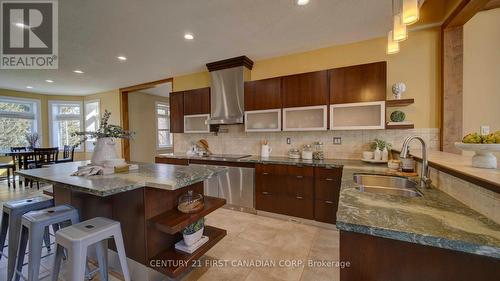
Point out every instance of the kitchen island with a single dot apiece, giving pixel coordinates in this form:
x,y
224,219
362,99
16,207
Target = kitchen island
x,y
144,201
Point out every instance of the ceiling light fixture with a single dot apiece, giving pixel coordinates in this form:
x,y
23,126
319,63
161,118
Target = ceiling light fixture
x,y
399,31
121,58
49,81
410,11
78,71
392,46
188,36
302,2
29,87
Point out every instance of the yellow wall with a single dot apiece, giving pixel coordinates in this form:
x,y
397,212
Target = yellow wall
x,y
142,120
481,93
417,65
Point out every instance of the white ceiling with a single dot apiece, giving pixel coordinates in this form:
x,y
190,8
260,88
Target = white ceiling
x,y
150,34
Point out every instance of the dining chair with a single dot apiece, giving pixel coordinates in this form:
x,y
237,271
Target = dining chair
x,y
68,154
22,161
45,156
9,167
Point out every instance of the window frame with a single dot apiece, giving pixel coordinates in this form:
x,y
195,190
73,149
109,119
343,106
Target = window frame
x,y
85,102
52,141
158,147
37,109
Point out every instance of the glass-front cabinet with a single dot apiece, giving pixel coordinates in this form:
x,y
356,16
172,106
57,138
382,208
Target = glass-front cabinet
x,y
268,120
196,123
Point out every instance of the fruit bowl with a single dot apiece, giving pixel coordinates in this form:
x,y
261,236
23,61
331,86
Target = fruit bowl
x,y
484,157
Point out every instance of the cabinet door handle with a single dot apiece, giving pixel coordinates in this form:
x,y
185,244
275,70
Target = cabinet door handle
x,y
299,197
299,177
265,174
266,193
328,202
329,179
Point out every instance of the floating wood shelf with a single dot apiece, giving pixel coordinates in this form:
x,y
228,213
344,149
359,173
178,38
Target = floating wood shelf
x,y
402,102
173,262
407,126
174,221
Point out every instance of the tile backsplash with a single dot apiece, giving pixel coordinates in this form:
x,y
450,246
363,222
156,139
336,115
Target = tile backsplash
x,y
237,141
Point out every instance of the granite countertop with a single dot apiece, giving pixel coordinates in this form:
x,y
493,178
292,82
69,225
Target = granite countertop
x,y
435,219
326,163
162,176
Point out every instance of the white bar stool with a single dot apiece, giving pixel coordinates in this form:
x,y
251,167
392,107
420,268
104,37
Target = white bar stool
x,y
78,237
13,212
34,224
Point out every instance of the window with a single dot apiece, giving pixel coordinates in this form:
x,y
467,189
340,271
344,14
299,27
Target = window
x,y
164,137
91,121
18,117
65,118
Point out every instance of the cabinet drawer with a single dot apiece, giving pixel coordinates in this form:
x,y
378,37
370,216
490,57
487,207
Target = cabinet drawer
x,y
328,173
327,189
270,169
325,211
270,203
300,186
302,208
303,171
270,184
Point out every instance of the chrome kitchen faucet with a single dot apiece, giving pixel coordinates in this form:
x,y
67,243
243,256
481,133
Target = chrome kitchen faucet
x,y
425,181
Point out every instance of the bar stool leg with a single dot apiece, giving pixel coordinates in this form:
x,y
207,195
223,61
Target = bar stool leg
x,y
3,231
117,236
8,177
35,250
102,258
23,242
77,262
46,238
57,262
14,230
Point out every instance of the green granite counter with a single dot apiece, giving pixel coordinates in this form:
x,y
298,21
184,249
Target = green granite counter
x,y
161,176
436,219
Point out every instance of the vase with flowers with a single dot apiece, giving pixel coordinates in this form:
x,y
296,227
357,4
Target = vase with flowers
x,y
105,136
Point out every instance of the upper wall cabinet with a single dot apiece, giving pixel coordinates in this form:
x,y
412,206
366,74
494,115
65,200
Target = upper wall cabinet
x,y
359,83
197,101
177,112
306,89
263,94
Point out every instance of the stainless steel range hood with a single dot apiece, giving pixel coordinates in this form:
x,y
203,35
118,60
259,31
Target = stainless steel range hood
x,y
226,94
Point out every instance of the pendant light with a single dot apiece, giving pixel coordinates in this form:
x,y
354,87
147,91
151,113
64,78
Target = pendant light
x,y
410,11
399,31
392,46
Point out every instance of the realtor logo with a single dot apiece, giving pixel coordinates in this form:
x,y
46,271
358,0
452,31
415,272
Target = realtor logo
x,y
29,38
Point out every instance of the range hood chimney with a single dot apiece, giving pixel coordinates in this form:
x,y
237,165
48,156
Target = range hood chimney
x,y
226,93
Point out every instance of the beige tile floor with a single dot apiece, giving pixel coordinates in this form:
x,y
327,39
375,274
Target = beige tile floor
x,y
284,249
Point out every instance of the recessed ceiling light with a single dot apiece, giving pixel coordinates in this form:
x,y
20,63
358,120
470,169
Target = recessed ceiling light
x,y
121,58
188,36
29,87
49,81
302,2
78,71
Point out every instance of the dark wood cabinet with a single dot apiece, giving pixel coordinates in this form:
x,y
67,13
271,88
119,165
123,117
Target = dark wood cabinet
x,y
263,94
358,83
327,183
306,89
197,101
177,112
172,161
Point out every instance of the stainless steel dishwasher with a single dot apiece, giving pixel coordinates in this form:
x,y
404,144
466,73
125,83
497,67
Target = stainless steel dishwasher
x,y
237,186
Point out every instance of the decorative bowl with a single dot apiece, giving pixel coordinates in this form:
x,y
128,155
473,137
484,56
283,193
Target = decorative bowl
x,y
483,157
190,202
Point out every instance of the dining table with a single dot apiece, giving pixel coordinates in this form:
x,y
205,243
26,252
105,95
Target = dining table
x,y
23,157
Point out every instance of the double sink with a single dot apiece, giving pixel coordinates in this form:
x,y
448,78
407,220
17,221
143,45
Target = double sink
x,y
390,185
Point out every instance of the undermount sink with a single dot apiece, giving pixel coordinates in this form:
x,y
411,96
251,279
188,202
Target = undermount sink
x,y
390,185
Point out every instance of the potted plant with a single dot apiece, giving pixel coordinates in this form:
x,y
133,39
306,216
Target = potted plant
x,y
193,232
381,149
105,145
32,139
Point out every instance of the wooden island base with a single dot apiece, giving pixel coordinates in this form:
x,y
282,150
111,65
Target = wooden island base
x,y
150,222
